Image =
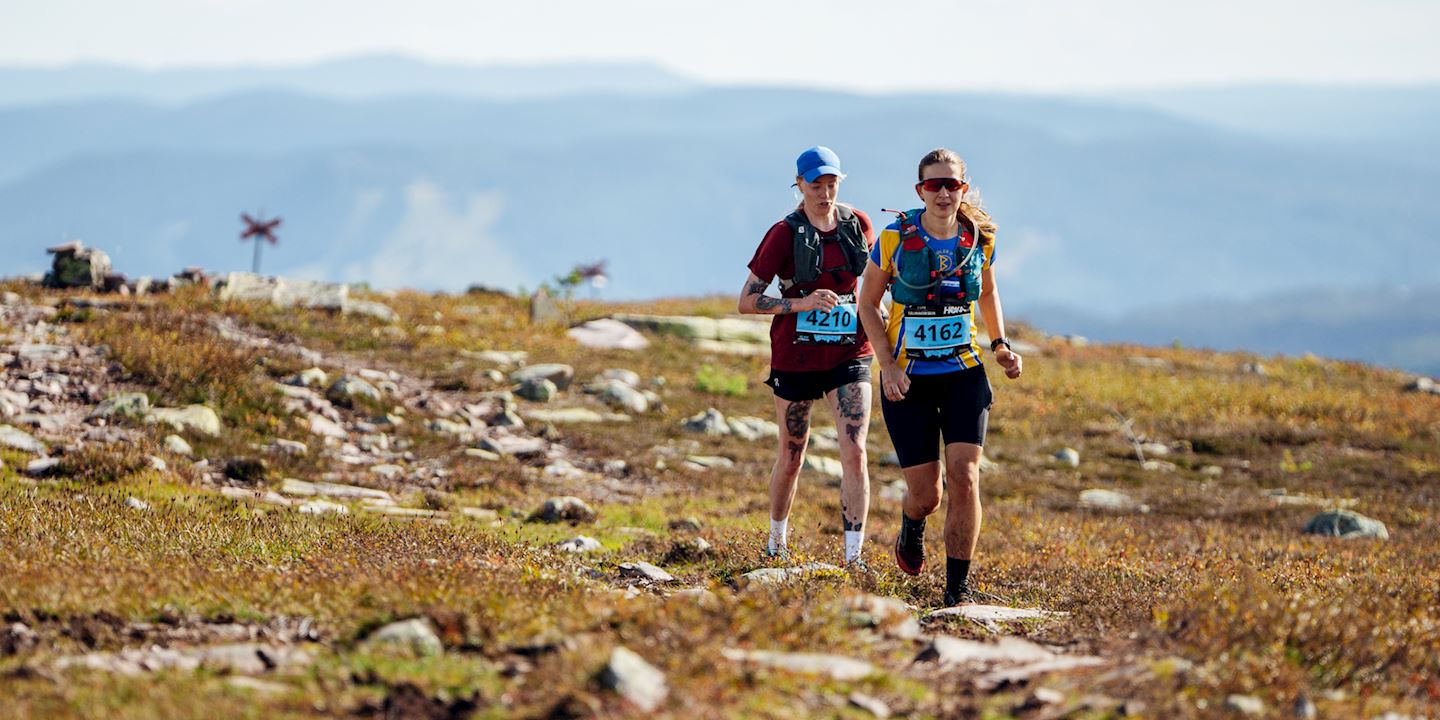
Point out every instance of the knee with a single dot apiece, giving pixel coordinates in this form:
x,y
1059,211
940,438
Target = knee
x,y
925,500
963,480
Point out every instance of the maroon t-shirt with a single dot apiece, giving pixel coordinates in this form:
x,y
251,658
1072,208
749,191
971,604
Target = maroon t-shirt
x,y
776,258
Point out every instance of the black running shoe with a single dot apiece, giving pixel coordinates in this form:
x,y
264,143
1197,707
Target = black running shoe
x,y
910,552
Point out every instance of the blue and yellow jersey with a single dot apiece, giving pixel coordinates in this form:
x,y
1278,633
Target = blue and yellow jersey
x,y
949,251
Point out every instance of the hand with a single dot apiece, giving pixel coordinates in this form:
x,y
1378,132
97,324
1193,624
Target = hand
x,y
822,300
1010,360
894,383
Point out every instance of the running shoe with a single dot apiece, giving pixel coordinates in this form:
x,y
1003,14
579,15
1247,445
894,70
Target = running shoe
x,y
909,553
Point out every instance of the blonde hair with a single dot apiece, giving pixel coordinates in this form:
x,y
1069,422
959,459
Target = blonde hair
x,y
971,208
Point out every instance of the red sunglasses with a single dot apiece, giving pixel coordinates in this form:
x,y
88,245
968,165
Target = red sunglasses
x,y
938,184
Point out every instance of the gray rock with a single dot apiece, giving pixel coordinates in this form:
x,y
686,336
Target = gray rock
x,y
508,418
890,459
502,358
894,491
313,378
1100,499
324,427
41,467
1161,466
537,390
291,486
608,334
624,398
1423,385
869,704
388,471
370,308
293,448
1155,449
1069,457
513,446
131,405
196,418
629,377
573,415
752,428
414,635
829,467
559,374
1212,471
17,638
639,682
177,445
645,571
690,328
481,454
580,544
834,666
346,388
1245,704
1346,524
135,503
564,509
777,575
322,507
710,422
17,439
42,353
707,462
1007,649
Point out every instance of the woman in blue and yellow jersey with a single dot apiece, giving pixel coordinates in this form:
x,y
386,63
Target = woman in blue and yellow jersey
x,y
936,262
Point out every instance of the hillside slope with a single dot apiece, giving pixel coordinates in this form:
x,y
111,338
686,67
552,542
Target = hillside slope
x,y
258,571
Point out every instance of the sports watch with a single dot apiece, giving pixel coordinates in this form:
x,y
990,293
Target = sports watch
x,y
997,342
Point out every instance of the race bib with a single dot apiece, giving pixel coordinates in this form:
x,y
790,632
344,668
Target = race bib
x,y
829,328
936,332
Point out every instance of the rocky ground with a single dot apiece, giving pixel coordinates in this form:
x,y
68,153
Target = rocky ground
x,y
220,504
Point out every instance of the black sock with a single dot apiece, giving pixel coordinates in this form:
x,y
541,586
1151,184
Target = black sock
x,y
912,532
957,575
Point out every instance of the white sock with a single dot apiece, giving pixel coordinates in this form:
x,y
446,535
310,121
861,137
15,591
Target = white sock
x,y
854,539
779,532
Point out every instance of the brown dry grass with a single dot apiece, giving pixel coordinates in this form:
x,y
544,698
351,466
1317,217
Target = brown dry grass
x,y
1214,591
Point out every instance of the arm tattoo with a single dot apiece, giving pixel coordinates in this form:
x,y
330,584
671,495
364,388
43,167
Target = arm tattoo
x,y
765,302
757,287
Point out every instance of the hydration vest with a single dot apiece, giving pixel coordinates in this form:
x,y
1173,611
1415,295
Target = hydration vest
x,y
810,252
918,277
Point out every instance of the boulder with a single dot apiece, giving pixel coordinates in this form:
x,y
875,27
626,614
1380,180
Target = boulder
x,y
537,389
1346,524
580,544
17,439
709,422
608,334
1069,457
625,398
834,666
76,266
196,418
639,682
559,374
414,635
752,428
645,571
828,467
564,509
346,388
131,405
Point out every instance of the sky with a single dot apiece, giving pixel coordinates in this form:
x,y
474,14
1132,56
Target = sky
x,y
1016,45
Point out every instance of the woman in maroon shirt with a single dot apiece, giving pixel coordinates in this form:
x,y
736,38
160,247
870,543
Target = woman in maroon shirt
x,y
817,347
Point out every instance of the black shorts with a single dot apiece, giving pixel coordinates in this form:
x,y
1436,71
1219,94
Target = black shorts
x,y
801,385
955,406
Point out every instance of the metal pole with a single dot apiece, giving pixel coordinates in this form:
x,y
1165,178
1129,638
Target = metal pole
x,y
255,267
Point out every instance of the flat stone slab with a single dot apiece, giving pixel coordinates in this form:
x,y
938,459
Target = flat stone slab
x,y
302,488
238,659
574,415
779,575
992,613
13,437
834,666
608,334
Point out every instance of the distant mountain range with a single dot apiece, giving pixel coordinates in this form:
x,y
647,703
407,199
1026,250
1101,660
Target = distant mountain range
x,y
1109,207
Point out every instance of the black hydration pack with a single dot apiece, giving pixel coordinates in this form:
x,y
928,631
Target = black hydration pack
x,y
809,252
918,277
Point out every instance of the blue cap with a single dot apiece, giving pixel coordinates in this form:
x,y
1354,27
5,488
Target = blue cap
x,y
817,161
